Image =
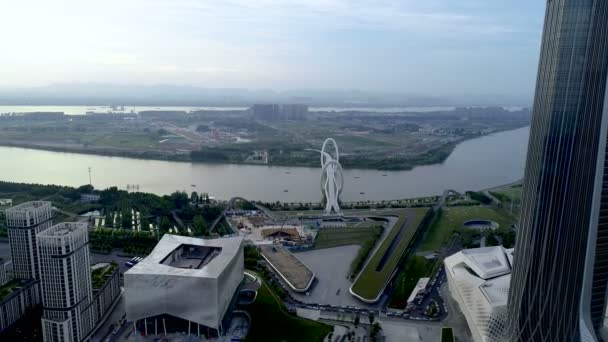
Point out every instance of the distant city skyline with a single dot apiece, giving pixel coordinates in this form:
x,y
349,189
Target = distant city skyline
x,y
435,48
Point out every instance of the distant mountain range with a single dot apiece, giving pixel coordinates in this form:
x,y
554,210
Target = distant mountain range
x,y
171,95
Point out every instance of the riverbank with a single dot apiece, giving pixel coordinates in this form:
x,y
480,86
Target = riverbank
x,y
435,156
473,165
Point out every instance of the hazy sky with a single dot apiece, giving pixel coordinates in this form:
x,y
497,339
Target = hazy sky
x,y
440,47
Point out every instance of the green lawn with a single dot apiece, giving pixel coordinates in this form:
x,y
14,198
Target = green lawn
x,y
126,140
510,192
447,335
101,275
452,218
371,281
8,288
334,237
417,267
271,322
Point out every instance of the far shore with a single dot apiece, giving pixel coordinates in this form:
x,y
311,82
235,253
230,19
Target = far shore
x,y
185,157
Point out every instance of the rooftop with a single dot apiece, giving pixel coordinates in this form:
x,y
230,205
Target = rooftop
x,y
188,256
420,286
487,262
101,273
487,269
62,229
496,290
27,206
297,275
12,286
191,256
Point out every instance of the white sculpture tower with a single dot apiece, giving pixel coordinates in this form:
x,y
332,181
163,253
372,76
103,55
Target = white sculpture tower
x,y
332,179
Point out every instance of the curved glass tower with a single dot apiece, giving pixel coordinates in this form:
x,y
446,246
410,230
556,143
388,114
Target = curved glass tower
x,y
560,271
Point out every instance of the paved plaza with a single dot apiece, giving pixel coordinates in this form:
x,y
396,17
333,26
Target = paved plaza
x,y
331,266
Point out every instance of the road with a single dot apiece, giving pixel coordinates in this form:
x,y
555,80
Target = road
x,y
105,332
5,252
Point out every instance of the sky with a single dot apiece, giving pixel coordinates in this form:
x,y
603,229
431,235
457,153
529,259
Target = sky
x,y
430,47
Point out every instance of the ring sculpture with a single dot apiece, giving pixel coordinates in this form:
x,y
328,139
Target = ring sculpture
x,y
332,179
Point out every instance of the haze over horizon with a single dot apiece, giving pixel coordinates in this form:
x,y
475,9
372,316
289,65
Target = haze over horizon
x,y
431,49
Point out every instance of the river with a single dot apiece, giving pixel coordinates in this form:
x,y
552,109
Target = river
x,y
475,164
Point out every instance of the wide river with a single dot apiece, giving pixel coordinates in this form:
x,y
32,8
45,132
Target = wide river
x,y
475,164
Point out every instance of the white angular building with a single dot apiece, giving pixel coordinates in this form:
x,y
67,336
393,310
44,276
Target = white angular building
x,y
185,285
479,281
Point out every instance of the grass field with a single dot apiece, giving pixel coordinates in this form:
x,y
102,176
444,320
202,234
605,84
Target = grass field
x,y
447,335
271,322
334,237
374,276
452,218
127,140
511,192
9,288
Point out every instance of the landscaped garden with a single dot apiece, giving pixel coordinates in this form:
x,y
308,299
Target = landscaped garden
x,y
372,280
451,219
271,321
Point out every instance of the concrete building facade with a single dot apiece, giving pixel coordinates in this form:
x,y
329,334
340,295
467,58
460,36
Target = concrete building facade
x,y
65,282
24,221
106,295
22,295
6,271
185,280
560,271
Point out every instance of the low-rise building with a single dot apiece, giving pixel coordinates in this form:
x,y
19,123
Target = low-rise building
x,y
479,281
418,292
89,198
16,298
185,285
106,289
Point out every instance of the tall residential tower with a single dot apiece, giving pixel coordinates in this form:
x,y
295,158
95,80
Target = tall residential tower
x,y
558,288
24,222
65,282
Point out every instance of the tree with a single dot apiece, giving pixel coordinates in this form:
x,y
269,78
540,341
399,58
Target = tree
x,y
126,219
109,220
86,189
179,199
200,226
164,224
491,240
371,317
194,197
373,335
357,320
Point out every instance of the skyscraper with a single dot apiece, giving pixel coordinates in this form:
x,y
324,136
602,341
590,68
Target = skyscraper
x,y
65,282
24,222
560,271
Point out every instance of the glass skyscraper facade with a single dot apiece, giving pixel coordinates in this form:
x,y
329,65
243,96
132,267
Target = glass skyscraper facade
x,y
558,288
